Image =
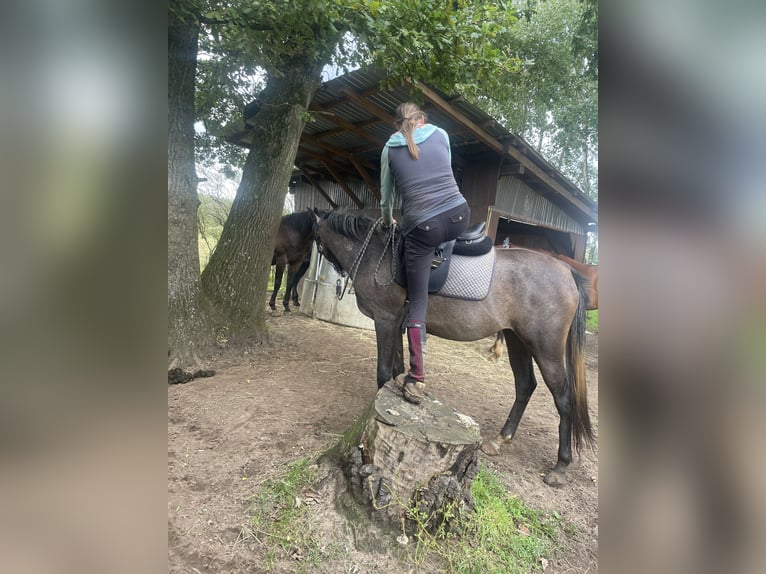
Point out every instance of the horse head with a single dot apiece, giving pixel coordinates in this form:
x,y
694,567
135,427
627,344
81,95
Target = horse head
x,y
322,249
359,243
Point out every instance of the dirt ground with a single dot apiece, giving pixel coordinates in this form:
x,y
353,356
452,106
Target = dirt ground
x,y
294,397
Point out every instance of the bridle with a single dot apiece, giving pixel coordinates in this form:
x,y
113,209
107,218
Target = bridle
x,y
351,275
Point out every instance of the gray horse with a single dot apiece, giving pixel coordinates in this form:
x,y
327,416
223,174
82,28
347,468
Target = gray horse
x,y
537,301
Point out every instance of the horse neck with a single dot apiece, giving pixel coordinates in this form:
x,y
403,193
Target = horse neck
x,y
302,232
347,250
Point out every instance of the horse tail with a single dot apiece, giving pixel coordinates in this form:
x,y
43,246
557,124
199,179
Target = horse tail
x,y
581,425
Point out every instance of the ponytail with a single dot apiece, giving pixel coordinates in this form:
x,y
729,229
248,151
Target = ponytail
x,y
408,115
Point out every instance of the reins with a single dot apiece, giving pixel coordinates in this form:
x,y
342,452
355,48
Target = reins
x,y
390,240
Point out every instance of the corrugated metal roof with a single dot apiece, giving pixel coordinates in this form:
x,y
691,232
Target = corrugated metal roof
x,y
307,196
352,124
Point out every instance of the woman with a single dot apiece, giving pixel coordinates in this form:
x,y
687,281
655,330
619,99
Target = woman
x,y
418,160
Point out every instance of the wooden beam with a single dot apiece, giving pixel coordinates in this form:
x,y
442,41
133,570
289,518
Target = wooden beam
x,y
346,125
335,150
339,180
313,182
324,159
494,144
324,145
366,105
366,177
517,169
339,130
446,108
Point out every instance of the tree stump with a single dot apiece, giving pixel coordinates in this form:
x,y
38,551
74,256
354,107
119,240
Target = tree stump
x,y
411,465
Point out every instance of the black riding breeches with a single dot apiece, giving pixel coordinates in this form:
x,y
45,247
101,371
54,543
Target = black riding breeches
x,y
419,246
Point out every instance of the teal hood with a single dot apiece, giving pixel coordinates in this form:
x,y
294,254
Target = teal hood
x,y
421,134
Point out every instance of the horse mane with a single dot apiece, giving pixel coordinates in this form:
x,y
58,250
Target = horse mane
x,y
300,221
351,225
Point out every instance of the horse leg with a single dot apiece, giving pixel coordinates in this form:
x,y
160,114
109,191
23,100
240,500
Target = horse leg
x,y
525,383
388,336
280,269
288,289
555,377
298,276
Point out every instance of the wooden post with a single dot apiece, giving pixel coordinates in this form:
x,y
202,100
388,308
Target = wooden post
x,y
411,465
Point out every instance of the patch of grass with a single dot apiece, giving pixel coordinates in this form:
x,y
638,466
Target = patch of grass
x,y
501,536
284,527
591,321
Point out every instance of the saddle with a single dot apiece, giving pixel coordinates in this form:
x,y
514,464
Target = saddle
x,y
471,243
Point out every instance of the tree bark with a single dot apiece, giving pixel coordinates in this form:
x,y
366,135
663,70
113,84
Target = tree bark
x,y
235,278
411,465
187,336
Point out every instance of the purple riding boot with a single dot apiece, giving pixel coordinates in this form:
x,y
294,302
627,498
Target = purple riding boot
x,y
413,381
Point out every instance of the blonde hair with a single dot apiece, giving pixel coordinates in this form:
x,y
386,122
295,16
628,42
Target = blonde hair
x,y
408,115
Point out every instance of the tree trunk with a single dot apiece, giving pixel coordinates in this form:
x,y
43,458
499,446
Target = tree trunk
x,y
236,276
187,337
411,465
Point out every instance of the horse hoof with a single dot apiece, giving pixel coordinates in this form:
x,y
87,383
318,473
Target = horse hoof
x,y
555,478
492,447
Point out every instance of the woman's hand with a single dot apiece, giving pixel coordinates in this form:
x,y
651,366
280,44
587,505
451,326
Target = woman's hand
x,y
385,225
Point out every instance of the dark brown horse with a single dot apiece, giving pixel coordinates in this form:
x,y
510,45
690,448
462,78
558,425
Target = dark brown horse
x,y
292,250
524,282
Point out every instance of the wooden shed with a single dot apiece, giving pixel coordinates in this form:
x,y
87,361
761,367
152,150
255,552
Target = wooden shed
x,y
506,182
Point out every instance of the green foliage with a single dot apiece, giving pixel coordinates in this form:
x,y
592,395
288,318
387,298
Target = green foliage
x,y
457,45
585,41
460,46
591,248
538,72
591,321
553,103
184,10
248,43
211,216
222,91
283,524
501,536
